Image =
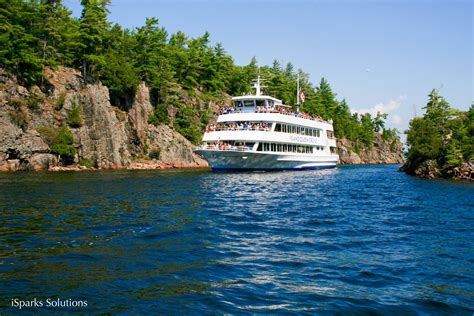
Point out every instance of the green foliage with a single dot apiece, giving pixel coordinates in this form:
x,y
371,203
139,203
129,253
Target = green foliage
x,y
367,130
119,74
60,141
443,133
16,103
453,157
390,134
87,163
74,118
159,115
60,102
188,124
34,102
424,139
48,134
93,28
65,145
379,122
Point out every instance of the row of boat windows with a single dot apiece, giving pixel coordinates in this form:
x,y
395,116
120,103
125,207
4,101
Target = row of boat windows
x,y
294,129
279,127
253,103
288,148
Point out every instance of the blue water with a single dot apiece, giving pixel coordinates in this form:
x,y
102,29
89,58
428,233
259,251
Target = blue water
x,y
364,239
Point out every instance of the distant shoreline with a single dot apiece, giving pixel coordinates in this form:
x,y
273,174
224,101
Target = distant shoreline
x,y
149,166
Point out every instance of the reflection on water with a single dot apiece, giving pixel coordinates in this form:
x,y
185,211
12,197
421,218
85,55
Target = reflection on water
x,y
358,239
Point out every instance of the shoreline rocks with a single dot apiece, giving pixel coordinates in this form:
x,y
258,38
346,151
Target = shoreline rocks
x,y
430,169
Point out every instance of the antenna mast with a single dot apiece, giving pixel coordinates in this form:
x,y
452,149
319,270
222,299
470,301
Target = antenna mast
x,y
298,93
257,86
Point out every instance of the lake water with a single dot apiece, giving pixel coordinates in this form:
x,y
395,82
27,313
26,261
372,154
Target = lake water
x,y
356,239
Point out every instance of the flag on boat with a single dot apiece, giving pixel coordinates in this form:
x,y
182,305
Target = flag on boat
x,y
301,95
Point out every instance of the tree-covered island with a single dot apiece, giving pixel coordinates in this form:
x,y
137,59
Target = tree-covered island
x,y
441,142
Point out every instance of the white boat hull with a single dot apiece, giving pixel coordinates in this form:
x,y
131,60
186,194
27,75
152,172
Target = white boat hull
x,y
257,161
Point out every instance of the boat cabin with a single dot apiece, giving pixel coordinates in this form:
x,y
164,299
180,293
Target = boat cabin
x,y
252,103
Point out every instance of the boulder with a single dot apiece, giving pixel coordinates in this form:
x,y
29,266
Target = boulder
x,y
42,162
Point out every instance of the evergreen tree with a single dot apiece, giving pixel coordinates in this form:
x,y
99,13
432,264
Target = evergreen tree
x,y
367,130
93,28
424,139
327,100
379,122
19,41
151,58
119,74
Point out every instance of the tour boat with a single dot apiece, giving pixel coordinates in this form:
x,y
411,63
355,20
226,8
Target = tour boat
x,y
260,133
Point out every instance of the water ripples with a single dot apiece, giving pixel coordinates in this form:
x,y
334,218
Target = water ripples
x,y
356,239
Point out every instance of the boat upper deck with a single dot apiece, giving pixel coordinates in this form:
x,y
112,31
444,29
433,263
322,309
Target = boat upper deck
x,y
275,114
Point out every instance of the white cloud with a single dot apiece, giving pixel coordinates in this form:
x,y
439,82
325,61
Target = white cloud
x,y
395,119
382,107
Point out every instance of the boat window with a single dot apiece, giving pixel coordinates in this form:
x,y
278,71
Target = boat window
x,y
261,103
273,146
279,147
249,103
278,127
238,104
260,147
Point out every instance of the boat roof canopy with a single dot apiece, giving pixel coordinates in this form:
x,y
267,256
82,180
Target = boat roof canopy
x,y
256,97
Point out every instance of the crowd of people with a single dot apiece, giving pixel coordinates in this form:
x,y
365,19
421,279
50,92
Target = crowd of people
x,y
240,126
219,145
275,109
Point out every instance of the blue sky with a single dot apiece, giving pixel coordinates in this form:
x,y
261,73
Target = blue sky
x,y
382,55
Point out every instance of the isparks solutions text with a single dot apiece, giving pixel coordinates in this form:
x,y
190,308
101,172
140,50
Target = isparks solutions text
x,y
49,302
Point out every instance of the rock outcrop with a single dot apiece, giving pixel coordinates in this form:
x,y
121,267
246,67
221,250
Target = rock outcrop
x,y
106,136
382,152
431,169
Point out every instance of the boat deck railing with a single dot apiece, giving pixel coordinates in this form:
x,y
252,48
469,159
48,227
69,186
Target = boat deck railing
x,y
223,147
283,111
235,127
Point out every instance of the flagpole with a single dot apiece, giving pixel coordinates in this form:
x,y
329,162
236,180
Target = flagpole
x,y
298,93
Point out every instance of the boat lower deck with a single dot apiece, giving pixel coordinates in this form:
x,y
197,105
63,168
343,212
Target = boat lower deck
x,y
230,160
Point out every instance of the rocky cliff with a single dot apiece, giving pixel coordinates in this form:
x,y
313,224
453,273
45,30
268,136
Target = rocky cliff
x,y
382,152
106,136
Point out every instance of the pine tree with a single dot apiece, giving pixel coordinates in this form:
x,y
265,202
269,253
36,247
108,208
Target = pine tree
x,y
379,122
93,27
151,58
19,41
